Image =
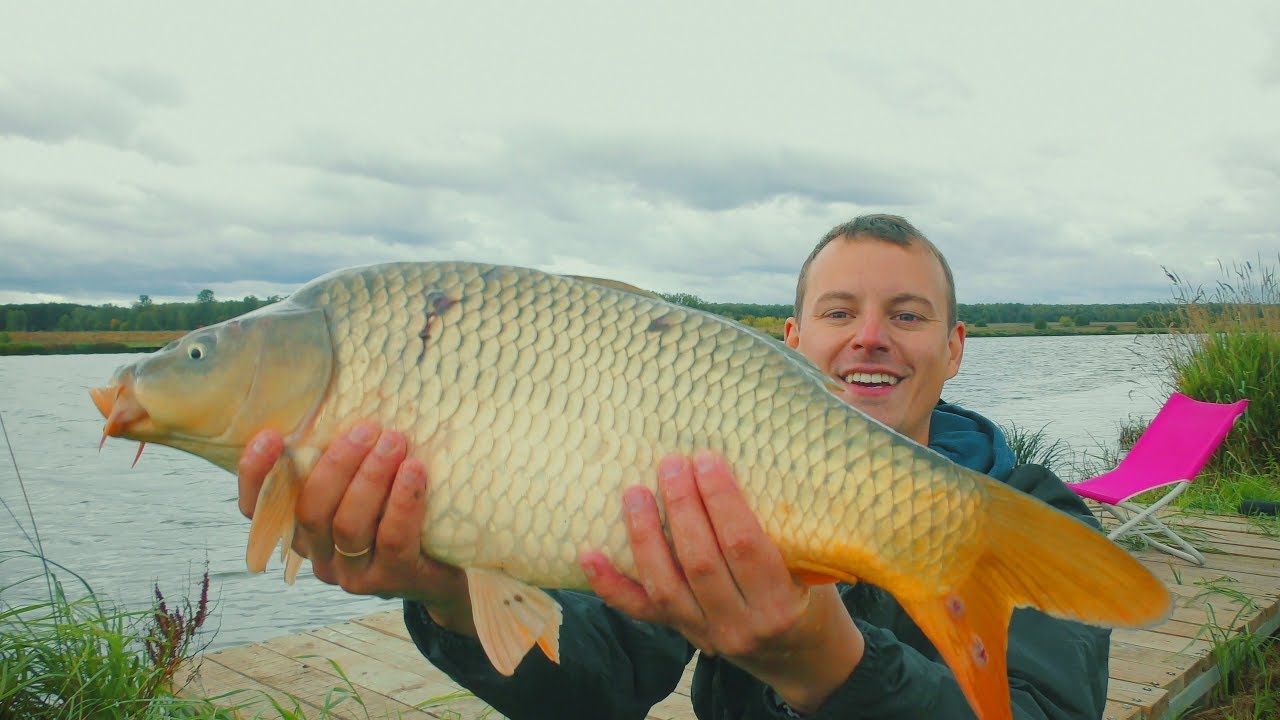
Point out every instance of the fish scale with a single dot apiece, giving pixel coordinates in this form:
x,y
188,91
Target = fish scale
x,y
535,400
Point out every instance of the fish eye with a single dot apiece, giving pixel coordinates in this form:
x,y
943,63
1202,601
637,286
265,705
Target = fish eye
x,y
196,352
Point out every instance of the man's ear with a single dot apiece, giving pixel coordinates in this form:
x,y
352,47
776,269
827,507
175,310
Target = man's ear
x,y
955,349
791,333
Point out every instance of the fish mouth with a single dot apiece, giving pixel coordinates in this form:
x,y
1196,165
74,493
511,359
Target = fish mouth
x,y
119,406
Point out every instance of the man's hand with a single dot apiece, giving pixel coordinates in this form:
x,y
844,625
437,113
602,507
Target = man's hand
x,y
363,494
726,587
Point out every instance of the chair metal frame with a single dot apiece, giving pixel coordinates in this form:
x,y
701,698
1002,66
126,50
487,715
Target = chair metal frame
x,y
1190,429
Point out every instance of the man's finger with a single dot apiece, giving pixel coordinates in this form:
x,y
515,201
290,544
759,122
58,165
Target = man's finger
x,y
255,463
694,538
754,561
328,481
663,582
356,520
400,529
615,589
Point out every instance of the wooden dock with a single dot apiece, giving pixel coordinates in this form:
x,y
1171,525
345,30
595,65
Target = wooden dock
x,y
1154,673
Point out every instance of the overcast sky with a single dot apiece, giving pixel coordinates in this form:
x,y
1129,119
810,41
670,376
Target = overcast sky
x,y
1056,155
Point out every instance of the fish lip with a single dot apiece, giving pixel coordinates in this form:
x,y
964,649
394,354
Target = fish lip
x,y
119,406
104,398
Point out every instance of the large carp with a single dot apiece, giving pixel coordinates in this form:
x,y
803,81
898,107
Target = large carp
x,y
535,399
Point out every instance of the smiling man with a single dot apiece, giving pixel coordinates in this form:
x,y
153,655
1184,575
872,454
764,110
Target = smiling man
x,y
875,307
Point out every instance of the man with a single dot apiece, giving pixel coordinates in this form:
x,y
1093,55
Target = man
x,y
875,307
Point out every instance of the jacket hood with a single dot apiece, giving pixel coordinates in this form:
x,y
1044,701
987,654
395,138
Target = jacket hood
x,y
971,440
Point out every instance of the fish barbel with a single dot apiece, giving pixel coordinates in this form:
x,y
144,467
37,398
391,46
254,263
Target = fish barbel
x,y
535,399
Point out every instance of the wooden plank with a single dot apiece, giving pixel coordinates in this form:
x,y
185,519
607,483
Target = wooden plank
x,y
389,623
1152,700
394,689
292,679
228,688
1116,710
1192,573
673,707
312,680
401,654
1260,567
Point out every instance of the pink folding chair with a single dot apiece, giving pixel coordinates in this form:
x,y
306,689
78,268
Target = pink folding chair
x,y
1171,451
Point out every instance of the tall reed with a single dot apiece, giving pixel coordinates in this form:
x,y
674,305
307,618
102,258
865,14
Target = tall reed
x,y
1224,345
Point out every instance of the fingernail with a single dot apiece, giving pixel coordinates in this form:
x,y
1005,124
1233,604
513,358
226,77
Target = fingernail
x,y
261,445
416,475
361,434
670,466
633,500
386,445
704,461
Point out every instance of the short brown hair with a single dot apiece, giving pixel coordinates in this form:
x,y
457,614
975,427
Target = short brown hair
x,y
886,228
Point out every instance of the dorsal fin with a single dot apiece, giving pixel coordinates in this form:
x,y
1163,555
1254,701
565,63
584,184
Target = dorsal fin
x,y
615,284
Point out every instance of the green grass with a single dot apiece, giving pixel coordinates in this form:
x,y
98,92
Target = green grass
x,y
1224,345
1248,670
1034,447
66,657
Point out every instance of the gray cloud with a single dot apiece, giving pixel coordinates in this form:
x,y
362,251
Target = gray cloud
x,y
110,108
697,172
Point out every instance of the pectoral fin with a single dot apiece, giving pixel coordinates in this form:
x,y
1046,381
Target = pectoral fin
x,y
511,617
273,519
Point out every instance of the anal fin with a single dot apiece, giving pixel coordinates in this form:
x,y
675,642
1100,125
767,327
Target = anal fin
x,y
814,574
273,517
511,617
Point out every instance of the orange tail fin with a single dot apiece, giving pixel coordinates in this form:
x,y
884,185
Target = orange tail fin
x,y
1035,556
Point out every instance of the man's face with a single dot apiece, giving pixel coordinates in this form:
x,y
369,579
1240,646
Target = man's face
x,y
875,317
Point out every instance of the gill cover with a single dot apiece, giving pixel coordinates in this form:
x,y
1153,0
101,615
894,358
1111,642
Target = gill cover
x,y
222,384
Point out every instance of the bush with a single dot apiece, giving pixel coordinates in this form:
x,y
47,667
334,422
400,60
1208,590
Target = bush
x,y
1225,346
4,338
1112,328
1042,324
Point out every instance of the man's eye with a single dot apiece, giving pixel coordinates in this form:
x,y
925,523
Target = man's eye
x,y
840,314
908,317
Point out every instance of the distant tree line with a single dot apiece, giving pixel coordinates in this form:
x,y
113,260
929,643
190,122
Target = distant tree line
x,y
1145,314
143,314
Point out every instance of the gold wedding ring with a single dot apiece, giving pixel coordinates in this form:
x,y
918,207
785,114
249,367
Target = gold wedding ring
x,y
344,553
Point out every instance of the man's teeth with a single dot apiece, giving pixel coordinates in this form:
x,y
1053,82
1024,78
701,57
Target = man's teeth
x,y
871,379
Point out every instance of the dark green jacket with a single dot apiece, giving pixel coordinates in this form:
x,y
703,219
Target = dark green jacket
x,y
615,667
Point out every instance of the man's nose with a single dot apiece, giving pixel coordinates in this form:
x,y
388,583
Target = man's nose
x,y
869,334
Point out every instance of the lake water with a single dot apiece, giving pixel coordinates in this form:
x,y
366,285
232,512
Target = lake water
x,y
124,530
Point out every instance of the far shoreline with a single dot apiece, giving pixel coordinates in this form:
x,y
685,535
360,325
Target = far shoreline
x,y
134,341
